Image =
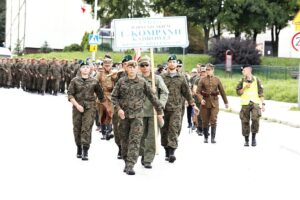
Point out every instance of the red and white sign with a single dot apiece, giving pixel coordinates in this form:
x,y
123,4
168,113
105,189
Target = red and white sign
x,y
296,41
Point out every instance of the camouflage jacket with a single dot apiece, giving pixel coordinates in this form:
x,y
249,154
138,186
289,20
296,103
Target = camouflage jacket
x,y
178,89
84,91
130,95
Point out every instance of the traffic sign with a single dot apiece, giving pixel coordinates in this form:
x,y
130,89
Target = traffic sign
x,y
296,41
94,39
93,48
296,21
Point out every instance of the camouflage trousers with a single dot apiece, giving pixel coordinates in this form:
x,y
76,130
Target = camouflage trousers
x,y
115,122
82,125
131,131
148,145
253,112
171,128
209,116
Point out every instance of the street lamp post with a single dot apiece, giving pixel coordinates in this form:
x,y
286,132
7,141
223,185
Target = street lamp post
x,y
95,26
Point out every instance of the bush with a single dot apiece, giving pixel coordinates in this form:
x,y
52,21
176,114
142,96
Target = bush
x,y
72,47
244,51
85,42
105,47
45,48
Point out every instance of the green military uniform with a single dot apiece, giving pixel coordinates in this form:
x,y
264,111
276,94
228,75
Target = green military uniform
x,y
148,143
83,91
55,73
208,89
130,95
250,102
42,76
178,89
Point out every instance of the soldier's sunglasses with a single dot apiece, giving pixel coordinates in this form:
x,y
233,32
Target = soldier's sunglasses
x,y
144,65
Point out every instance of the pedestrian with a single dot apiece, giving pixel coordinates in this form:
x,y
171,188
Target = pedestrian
x,y
81,93
251,93
148,143
128,98
178,89
208,90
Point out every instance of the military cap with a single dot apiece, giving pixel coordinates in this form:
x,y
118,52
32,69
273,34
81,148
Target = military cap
x,y
172,57
127,58
144,59
179,63
245,66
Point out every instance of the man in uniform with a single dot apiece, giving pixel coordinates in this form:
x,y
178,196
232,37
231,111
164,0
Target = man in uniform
x,y
81,93
105,108
148,143
250,90
178,89
208,90
120,73
42,76
128,99
56,73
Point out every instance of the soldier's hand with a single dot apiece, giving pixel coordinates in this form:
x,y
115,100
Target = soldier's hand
x,y
80,108
203,102
161,121
196,109
121,114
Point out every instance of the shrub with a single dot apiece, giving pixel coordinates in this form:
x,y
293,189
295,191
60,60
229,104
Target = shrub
x,y
73,47
85,42
45,48
105,47
244,51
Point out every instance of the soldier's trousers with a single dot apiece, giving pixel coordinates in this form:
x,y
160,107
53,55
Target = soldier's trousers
x,y
148,145
41,84
171,128
131,131
82,125
253,112
115,122
209,116
55,85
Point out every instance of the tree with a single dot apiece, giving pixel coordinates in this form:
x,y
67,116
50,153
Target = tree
x,y
237,14
45,48
280,13
18,49
114,9
2,21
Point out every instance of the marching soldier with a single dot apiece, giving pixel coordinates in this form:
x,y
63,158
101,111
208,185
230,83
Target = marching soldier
x,y
148,143
178,89
106,108
208,90
56,74
250,90
128,99
81,93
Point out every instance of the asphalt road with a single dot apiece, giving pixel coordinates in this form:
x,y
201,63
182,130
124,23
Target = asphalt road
x,y
38,160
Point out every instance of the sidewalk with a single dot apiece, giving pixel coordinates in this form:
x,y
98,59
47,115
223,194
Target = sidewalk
x,y
276,111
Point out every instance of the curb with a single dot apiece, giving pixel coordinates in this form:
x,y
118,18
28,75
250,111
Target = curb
x,y
268,119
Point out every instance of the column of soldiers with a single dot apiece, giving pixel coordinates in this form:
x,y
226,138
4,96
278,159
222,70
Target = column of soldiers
x,y
37,75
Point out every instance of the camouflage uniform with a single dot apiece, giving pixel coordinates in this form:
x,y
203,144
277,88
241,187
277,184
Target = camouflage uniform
x,y
148,143
42,77
129,95
83,90
208,89
55,73
178,89
251,111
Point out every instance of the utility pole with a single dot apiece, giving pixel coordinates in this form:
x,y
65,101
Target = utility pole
x,y
95,26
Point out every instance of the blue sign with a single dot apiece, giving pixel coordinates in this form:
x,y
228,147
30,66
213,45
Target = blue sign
x,y
94,39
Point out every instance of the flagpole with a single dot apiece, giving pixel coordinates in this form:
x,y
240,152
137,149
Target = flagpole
x,y
156,132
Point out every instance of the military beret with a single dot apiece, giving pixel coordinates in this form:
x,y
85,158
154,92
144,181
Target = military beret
x,y
245,66
127,58
172,57
179,63
144,59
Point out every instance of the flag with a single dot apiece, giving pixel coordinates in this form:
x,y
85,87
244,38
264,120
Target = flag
x,y
137,54
83,8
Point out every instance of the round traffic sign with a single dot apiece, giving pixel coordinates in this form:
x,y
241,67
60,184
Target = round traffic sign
x,y
296,41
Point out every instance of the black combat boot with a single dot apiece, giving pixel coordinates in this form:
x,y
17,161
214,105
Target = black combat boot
x,y
129,170
246,141
172,157
167,153
109,134
103,130
205,132
253,140
79,151
85,149
213,134
199,130
119,152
